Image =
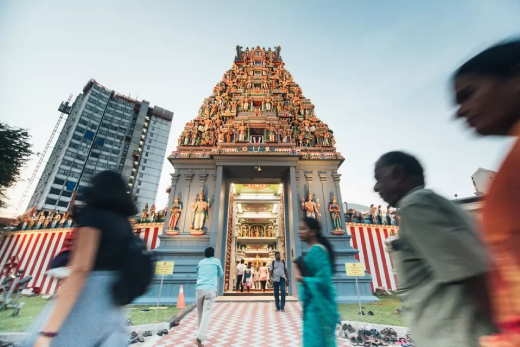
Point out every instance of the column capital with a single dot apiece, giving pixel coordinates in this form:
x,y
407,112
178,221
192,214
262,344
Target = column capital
x,y
323,176
336,177
202,177
308,177
188,176
214,175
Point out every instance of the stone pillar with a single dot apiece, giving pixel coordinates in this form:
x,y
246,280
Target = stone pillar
x,y
185,222
336,177
326,223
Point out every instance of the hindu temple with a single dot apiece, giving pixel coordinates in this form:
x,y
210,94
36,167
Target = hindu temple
x,y
253,161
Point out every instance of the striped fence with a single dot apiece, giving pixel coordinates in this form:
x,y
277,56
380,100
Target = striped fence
x,y
36,249
369,240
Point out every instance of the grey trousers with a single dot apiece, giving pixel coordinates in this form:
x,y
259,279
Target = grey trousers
x,y
205,301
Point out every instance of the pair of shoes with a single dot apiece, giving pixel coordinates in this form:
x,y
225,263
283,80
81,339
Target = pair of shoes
x,y
277,310
283,310
147,333
163,332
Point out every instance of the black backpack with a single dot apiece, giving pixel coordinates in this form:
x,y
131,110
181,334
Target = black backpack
x,y
136,273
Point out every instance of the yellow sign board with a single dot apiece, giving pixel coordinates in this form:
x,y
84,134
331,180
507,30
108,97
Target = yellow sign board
x,y
164,267
355,269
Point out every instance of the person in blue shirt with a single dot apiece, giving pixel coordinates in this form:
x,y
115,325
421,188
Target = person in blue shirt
x,y
207,272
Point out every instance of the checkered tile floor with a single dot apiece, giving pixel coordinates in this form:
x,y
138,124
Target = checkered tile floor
x,y
236,324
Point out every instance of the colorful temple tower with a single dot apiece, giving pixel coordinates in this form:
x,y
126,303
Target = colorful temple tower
x,y
254,161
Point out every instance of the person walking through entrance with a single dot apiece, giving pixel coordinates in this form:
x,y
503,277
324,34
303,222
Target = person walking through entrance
x,y
279,280
240,275
263,276
206,290
316,288
248,276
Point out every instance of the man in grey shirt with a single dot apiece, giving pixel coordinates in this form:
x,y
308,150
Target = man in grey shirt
x,y
279,278
440,263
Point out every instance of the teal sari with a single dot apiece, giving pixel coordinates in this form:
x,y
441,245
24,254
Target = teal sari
x,y
318,297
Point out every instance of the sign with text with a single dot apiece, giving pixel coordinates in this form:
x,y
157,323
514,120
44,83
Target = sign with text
x,y
355,269
164,267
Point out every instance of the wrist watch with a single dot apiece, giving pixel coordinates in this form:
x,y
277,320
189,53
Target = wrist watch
x,y
48,334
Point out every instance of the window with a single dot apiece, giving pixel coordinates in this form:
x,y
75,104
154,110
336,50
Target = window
x,y
89,171
139,183
141,175
137,191
149,141
100,141
83,121
148,147
146,154
70,186
89,134
59,181
115,151
76,137
92,126
80,157
50,201
66,194
94,155
145,161
135,199
63,204
55,191
144,168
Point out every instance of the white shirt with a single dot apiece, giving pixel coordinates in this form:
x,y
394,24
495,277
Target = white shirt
x,y
241,268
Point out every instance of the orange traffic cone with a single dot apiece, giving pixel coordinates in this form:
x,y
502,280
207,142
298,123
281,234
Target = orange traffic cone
x,y
180,300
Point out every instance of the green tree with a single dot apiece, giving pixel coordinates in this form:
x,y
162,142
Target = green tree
x,y
15,150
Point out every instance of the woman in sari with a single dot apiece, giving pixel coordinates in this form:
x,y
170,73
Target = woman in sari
x,y
315,287
487,90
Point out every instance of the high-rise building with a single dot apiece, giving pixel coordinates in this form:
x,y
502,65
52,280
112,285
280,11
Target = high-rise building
x,y
105,131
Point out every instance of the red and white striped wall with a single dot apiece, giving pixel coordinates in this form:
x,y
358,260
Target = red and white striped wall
x,y
36,249
369,240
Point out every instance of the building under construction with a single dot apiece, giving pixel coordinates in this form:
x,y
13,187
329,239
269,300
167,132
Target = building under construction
x,y
104,131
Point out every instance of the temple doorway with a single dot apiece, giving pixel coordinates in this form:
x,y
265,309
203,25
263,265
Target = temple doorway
x,y
256,230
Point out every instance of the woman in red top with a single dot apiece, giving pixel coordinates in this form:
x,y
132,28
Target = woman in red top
x,y
487,89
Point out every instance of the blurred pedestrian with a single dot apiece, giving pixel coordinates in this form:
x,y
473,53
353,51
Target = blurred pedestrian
x,y
316,288
240,276
263,276
279,279
487,90
441,264
249,274
208,271
85,312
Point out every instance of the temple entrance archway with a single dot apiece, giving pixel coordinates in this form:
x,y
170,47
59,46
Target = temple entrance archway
x,y
256,231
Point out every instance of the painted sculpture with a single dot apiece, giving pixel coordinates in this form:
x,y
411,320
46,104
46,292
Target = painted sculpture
x,y
335,214
199,214
175,214
311,208
153,214
144,213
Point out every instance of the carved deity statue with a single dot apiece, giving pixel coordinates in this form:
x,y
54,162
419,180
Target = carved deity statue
x,y
373,214
311,208
175,213
271,132
244,230
270,231
64,219
199,213
380,215
335,214
153,214
48,219
242,132
41,219
56,219
389,215
144,213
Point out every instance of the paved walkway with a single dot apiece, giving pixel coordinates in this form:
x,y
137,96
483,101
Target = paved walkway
x,y
235,324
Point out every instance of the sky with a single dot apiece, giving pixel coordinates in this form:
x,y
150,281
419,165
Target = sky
x,y
378,72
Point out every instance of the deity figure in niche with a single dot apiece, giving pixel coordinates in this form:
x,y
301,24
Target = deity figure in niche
x,y
271,133
153,213
144,213
200,212
244,230
335,214
175,213
269,231
242,131
220,136
32,221
311,208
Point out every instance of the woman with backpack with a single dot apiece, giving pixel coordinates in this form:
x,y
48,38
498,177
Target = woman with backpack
x,y
86,311
316,288
248,276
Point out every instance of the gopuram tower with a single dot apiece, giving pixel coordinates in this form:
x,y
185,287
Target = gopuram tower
x,y
253,162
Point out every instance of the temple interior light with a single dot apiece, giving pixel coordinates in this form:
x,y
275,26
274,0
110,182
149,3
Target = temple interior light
x,y
233,189
275,207
239,207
